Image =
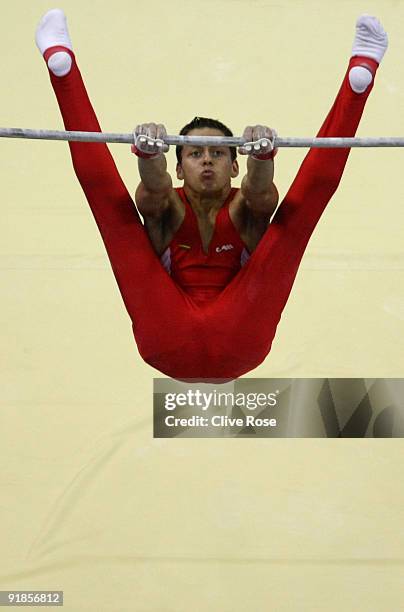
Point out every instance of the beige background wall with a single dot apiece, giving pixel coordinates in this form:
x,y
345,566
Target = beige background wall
x,y
89,502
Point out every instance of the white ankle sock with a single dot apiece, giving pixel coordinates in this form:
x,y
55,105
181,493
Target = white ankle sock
x,y
370,41
370,38
51,32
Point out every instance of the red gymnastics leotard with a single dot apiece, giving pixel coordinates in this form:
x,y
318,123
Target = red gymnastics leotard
x,y
204,275
232,333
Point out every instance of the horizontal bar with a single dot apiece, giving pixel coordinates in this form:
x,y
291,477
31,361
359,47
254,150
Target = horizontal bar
x,y
233,141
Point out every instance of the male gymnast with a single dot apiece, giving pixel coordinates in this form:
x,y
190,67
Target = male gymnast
x,y
206,277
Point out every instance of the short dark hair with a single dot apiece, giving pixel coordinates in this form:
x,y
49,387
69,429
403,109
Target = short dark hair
x,y
201,122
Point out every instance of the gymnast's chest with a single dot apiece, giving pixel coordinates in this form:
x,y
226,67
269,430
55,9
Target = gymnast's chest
x,y
206,237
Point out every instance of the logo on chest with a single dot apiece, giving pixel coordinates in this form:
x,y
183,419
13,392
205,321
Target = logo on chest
x,y
224,247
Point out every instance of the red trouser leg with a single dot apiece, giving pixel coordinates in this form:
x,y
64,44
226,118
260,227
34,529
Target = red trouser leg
x,y
253,303
164,319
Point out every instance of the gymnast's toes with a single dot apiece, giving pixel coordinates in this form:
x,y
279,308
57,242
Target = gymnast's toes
x,y
370,38
52,32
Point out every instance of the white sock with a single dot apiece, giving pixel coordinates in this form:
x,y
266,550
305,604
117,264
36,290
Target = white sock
x,y
51,32
370,38
370,41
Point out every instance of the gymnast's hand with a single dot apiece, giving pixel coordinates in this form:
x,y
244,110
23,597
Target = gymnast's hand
x,y
259,142
148,139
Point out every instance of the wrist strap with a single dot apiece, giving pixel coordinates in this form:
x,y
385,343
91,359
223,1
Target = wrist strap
x,y
141,154
265,156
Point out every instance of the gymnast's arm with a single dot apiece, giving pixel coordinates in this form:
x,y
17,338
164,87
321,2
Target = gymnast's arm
x,y
152,193
258,189
259,193
255,203
156,202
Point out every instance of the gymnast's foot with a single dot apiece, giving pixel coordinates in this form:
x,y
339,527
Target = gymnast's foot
x,y
370,41
52,32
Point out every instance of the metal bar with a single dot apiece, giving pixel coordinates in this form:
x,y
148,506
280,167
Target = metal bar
x,y
234,141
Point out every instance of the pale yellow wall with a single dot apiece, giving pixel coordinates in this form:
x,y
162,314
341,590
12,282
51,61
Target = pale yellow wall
x,y
284,525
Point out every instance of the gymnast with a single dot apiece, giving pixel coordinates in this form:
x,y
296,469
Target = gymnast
x,y
206,276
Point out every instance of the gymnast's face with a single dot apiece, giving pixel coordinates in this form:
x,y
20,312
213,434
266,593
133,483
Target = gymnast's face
x,y
206,169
